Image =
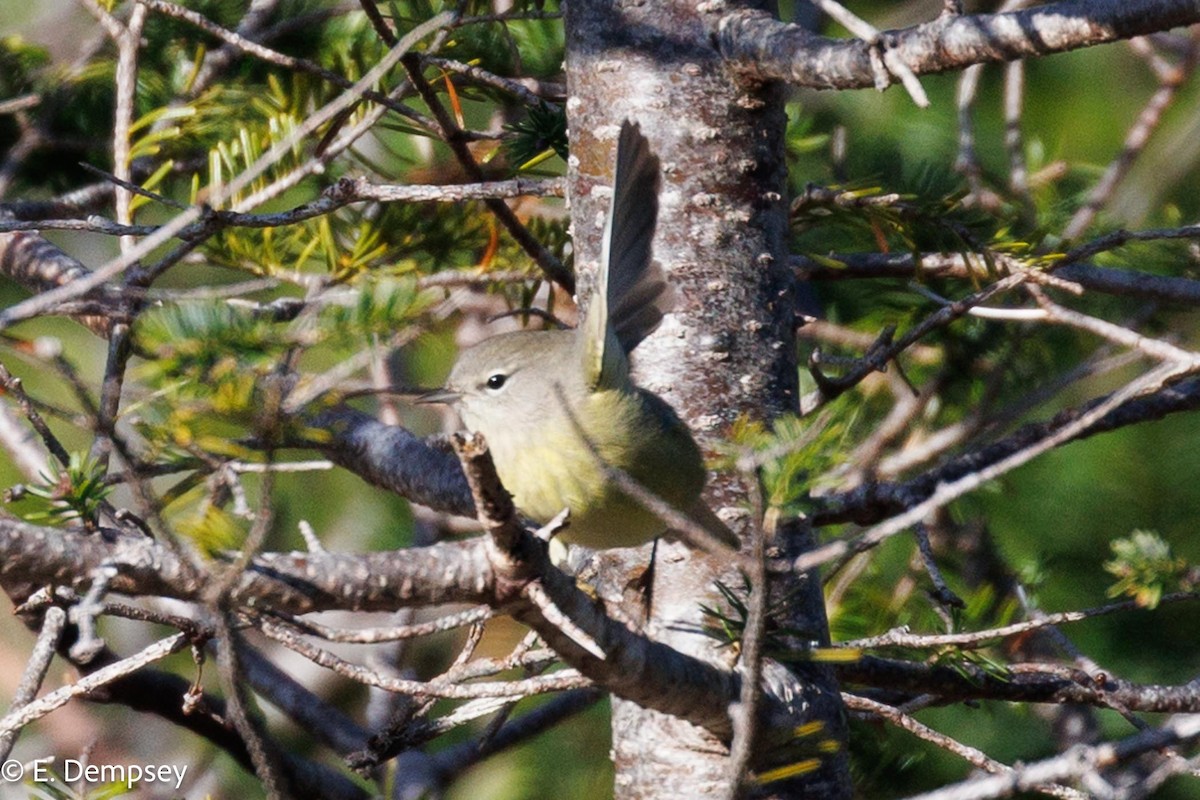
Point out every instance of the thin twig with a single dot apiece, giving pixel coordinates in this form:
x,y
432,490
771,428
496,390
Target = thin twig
x,y
20,103
129,42
238,704
53,622
536,594
976,266
901,637
967,163
344,192
1014,99
1136,139
947,492
970,754
886,350
290,63
19,718
77,288
451,134
888,61
942,591
1074,763
13,386
517,88
1154,348
558,681
744,713
21,445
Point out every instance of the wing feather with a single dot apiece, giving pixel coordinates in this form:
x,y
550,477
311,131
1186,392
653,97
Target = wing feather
x,y
632,292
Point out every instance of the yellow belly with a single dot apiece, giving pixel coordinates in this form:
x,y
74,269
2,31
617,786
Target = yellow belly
x,y
630,430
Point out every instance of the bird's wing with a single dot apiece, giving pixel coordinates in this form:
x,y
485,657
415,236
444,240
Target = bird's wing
x,y
632,292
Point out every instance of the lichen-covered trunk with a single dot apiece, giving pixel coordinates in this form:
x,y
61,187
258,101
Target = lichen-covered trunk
x,y
728,348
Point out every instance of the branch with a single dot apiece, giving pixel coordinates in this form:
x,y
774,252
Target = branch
x,y
1023,684
79,287
886,347
1076,762
973,755
40,266
395,459
171,697
105,678
298,583
871,503
635,668
1171,80
645,672
451,762
452,135
34,263
902,637
768,49
1149,384
236,42
20,717
77,202
1124,282
35,670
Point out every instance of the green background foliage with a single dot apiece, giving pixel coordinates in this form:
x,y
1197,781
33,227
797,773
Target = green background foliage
x,y
203,366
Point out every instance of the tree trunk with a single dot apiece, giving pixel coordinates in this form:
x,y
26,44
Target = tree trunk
x,y
727,351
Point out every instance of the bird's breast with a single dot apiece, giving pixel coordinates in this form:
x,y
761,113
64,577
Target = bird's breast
x,y
557,464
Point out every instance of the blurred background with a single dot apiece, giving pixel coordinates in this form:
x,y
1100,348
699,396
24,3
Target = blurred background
x,y
1052,520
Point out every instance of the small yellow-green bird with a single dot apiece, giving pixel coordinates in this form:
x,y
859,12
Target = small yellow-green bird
x,y
515,389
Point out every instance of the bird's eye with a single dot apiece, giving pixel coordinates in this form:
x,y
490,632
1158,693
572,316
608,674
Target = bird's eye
x,y
496,381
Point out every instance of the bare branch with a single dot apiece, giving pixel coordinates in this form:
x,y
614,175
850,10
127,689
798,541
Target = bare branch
x,y
901,637
75,202
344,192
1151,382
397,460
970,754
769,49
493,504
390,634
20,717
1131,283
53,622
646,672
1075,763
84,284
538,93
451,134
237,42
129,41
1030,683
13,386
886,349
1171,80
873,502
452,761
20,103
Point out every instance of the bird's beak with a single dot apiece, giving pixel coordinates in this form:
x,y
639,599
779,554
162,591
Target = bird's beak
x,y
448,396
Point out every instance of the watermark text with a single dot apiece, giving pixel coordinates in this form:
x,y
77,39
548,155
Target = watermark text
x,y
74,771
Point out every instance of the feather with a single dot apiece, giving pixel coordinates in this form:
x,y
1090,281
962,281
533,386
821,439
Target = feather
x,y
632,292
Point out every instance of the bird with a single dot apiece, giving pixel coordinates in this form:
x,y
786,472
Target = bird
x,y
556,406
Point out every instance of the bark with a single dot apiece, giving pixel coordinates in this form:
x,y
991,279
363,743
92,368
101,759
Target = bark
x,y
726,351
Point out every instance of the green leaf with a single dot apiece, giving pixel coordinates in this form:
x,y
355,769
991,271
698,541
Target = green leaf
x,y
1146,568
74,493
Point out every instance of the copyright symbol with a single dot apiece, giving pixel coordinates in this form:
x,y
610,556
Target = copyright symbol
x,y
12,770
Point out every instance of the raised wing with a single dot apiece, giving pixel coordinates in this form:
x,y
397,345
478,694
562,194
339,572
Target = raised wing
x,y
632,292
